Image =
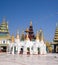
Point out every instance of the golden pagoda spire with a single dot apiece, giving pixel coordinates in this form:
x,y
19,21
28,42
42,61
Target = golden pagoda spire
x,y
41,35
37,36
22,36
12,39
17,35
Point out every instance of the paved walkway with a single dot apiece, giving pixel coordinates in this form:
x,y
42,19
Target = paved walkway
x,y
9,59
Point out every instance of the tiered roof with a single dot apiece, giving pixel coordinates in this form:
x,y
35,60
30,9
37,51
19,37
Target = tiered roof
x,y
30,32
4,32
56,34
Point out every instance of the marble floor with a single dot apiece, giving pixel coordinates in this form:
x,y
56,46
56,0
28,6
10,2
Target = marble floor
x,y
9,59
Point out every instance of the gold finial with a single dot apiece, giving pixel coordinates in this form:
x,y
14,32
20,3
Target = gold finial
x,y
12,39
30,23
37,36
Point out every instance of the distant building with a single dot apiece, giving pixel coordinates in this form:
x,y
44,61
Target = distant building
x,y
30,32
28,45
55,41
4,36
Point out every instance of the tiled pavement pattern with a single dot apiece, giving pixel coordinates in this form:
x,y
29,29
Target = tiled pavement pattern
x,y
9,59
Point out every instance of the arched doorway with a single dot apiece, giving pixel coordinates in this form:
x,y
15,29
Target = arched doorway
x,y
21,51
38,49
3,47
15,50
28,50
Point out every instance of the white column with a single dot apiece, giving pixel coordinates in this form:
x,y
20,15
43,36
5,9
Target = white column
x,y
13,50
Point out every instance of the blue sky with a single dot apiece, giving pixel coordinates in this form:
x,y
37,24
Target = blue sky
x,y
19,13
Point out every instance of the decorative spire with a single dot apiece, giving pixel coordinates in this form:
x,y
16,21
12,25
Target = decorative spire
x,y
41,35
37,36
17,35
27,38
22,36
56,34
12,39
30,23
